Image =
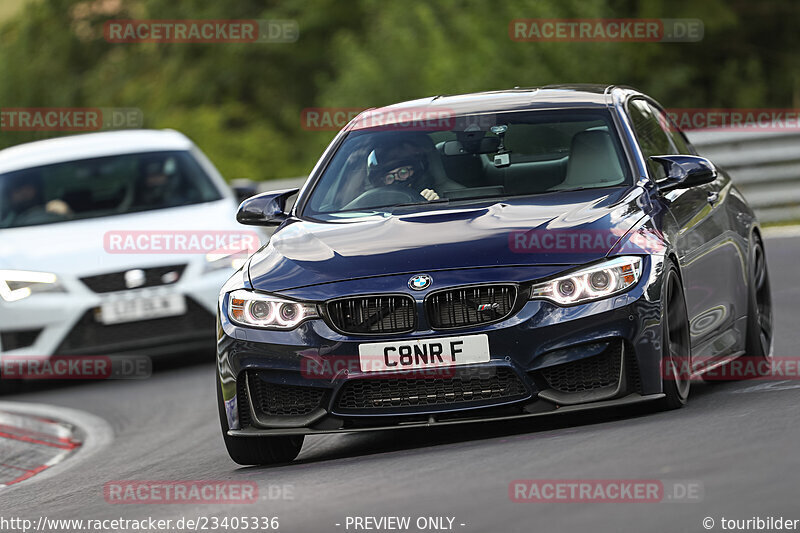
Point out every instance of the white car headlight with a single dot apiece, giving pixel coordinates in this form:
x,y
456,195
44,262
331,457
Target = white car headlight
x,y
18,284
249,308
591,283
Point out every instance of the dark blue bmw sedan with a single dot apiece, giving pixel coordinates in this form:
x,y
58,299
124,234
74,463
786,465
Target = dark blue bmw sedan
x,y
488,256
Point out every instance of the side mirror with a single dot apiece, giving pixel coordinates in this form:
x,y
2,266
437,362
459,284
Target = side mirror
x,y
684,171
244,188
265,209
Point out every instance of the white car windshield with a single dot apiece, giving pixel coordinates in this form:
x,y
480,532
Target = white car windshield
x,y
106,186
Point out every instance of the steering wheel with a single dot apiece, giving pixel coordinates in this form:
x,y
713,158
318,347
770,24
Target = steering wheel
x,y
384,196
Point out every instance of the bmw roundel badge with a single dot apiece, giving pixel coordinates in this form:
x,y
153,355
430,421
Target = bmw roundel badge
x,y
420,282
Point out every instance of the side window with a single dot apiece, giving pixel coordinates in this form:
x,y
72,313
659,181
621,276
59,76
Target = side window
x,y
669,127
653,139
675,134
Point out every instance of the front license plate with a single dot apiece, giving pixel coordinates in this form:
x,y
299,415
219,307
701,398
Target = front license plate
x,y
423,353
145,308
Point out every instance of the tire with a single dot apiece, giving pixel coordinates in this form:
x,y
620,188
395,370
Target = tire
x,y
676,342
758,343
257,450
758,333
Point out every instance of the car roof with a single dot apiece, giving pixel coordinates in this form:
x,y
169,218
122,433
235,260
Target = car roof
x,y
516,99
90,145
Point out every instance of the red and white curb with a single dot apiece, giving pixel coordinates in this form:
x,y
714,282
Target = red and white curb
x,y
40,440
30,445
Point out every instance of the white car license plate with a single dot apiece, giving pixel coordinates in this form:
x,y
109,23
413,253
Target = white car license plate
x,y
144,308
423,353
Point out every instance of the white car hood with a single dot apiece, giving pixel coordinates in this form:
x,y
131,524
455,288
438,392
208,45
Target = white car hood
x,y
77,247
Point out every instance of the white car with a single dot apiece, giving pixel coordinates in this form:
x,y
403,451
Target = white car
x,y
113,242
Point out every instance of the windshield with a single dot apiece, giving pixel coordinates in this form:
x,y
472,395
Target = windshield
x,y
106,186
472,157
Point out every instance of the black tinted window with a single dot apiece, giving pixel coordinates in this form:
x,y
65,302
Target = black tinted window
x,y
651,131
677,137
471,157
104,186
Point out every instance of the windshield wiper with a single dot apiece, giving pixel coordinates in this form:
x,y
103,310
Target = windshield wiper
x,y
573,189
414,204
585,188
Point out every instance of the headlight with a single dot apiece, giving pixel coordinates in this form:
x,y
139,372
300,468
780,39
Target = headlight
x,y
258,310
234,260
18,284
591,283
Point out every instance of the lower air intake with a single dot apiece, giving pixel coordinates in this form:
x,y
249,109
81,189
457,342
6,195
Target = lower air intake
x,y
486,387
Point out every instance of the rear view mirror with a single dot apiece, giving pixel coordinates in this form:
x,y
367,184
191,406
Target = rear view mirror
x,y
453,148
684,171
265,209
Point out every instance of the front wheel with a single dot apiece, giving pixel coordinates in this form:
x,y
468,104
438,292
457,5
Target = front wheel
x,y
257,450
759,319
675,358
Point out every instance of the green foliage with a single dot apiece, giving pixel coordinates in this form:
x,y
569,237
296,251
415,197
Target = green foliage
x,y
241,103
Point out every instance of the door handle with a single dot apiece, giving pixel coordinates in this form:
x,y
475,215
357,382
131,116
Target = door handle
x,y
713,197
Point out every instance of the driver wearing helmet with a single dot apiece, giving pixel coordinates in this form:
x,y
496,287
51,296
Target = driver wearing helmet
x,y
159,185
400,166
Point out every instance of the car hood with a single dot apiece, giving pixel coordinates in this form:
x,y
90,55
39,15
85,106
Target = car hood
x,y
78,247
505,233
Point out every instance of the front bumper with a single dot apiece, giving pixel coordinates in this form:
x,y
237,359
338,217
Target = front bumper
x,y
544,358
64,323
630,399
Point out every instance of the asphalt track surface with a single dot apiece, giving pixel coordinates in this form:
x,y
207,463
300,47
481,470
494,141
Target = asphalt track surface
x,y
739,441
